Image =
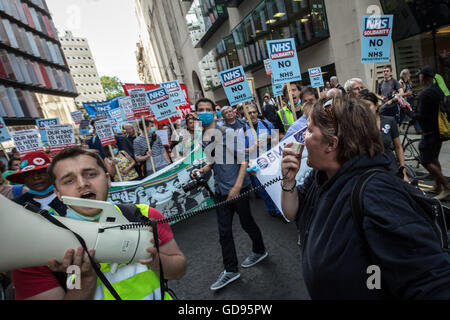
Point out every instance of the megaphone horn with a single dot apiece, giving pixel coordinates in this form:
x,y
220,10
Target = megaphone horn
x,y
28,239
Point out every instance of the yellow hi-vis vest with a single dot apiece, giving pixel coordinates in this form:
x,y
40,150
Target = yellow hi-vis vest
x,y
286,116
132,282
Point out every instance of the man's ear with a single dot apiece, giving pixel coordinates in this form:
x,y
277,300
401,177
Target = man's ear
x,y
108,178
58,194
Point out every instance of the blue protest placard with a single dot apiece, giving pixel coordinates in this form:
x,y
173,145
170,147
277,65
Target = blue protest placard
x,y
284,61
101,109
161,104
315,76
277,89
376,38
84,128
236,86
4,133
175,92
44,123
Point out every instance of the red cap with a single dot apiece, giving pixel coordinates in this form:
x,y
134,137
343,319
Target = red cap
x,y
32,161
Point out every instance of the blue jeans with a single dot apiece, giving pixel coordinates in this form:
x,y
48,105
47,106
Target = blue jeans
x,y
271,207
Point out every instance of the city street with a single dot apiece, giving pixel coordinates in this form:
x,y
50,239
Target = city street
x,y
278,277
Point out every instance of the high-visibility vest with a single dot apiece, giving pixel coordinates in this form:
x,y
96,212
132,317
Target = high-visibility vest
x,y
132,282
286,116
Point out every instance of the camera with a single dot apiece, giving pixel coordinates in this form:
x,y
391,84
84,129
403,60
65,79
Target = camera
x,y
199,180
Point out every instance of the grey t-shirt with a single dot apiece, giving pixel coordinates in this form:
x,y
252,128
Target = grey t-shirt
x,y
228,155
386,88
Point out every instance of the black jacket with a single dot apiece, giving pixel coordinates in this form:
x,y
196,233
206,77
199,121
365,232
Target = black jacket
x,y
402,243
56,204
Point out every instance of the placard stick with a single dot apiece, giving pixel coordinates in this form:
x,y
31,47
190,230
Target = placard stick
x,y
148,143
4,151
247,116
137,123
318,92
174,130
291,101
374,78
117,167
279,104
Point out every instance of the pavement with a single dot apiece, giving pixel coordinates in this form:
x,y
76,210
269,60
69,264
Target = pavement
x,y
278,277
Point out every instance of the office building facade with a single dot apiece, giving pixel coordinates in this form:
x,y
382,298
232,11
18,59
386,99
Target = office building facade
x,y
35,79
199,38
83,69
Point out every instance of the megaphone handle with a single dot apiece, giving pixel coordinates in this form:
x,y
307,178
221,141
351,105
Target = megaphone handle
x,y
102,277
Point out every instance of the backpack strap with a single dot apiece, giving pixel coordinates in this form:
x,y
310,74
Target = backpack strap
x,y
356,199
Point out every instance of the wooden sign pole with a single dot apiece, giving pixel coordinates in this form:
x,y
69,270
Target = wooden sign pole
x,y
291,101
174,130
247,116
374,78
148,143
117,167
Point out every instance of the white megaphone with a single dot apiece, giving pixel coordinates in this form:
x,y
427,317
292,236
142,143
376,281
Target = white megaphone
x,y
28,240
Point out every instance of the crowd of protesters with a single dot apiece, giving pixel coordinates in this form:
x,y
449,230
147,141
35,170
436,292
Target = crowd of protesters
x,y
349,130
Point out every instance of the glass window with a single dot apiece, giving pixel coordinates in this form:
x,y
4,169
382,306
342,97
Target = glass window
x,y
202,16
305,21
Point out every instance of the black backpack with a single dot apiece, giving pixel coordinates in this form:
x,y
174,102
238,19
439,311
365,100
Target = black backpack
x,y
431,209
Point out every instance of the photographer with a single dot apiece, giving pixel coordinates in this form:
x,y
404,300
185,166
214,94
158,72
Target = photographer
x,y
231,180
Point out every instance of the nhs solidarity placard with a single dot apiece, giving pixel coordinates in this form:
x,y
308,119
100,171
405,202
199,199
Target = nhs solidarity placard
x,y
316,78
284,61
235,84
161,104
376,38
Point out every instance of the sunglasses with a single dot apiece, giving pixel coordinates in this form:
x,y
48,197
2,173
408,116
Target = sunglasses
x,y
328,107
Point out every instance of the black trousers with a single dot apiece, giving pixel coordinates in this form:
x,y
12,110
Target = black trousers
x,y
225,223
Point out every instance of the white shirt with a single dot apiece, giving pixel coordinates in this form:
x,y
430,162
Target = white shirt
x,y
45,201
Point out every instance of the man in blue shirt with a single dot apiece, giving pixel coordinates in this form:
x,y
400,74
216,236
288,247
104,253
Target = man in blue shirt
x,y
227,158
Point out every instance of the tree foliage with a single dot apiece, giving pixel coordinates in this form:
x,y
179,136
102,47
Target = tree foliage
x,y
112,87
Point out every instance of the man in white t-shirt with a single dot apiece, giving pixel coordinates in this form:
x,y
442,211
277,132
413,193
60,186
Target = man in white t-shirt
x,y
33,174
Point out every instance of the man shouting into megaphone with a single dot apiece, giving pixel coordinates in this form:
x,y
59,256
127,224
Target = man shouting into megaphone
x,y
82,174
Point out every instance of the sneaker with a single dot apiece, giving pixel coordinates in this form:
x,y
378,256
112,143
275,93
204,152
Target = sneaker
x,y
224,279
253,259
445,193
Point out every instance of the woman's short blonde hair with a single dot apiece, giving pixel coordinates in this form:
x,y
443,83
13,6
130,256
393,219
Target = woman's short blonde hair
x,y
354,125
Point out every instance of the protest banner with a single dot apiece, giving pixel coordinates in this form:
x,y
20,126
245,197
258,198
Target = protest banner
x,y
162,106
277,90
44,123
4,133
185,109
175,92
315,76
285,66
60,137
104,131
117,117
237,89
268,67
84,128
26,141
77,116
127,107
99,110
269,165
236,86
164,136
4,136
376,38
140,103
163,190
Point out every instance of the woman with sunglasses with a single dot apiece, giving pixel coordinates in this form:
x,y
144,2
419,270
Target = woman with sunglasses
x,y
398,254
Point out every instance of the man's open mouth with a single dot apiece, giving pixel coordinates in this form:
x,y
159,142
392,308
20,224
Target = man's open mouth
x,y
88,195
